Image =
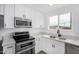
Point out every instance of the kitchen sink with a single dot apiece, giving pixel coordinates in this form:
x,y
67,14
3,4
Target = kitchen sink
x,y
52,36
49,36
61,38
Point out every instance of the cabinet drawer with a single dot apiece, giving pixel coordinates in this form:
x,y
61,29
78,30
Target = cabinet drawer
x,y
9,49
58,43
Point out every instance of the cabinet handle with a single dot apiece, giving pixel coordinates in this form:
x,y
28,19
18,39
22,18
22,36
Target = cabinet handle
x,y
53,45
10,47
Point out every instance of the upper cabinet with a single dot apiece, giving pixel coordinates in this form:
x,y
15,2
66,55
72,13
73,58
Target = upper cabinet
x,y
1,9
28,13
37,19
36,16
9,16
21,10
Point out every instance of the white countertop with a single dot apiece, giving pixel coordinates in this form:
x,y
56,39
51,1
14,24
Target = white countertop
x,y
70,41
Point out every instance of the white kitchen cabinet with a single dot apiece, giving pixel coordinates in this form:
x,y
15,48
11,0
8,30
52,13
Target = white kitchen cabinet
x,y
46,45
36,16
37,44
28,13
59,47
7,10
19,10
34,19
1,9
9,16
42,44
52,46
37,19
9,49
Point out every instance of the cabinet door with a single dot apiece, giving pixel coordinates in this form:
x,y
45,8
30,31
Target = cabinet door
x,y
19,10
52,47
58,47
9,16
1,9
46,45
9,49
37,44
34,19
37,19
28,13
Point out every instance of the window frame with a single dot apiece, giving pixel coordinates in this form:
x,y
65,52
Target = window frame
x,y
59,22
53,26
70,22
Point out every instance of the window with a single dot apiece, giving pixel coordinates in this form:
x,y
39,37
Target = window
x,y
53,22
63,21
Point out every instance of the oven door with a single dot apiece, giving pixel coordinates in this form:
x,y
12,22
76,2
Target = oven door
x,y
25,47
31,51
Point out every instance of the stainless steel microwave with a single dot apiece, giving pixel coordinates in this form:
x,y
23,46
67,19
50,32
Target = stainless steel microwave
x,y
20,23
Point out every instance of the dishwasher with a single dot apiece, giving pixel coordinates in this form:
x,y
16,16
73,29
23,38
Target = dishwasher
x,y
71,49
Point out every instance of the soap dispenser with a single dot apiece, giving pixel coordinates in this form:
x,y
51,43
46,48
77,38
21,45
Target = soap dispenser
x,y
58,32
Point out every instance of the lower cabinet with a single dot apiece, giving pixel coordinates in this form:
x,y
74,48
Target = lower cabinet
x,y
46,45
49,46
52,46
37,44
9,49
37,47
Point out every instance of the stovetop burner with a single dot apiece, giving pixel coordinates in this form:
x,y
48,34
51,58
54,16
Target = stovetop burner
x,y
22,36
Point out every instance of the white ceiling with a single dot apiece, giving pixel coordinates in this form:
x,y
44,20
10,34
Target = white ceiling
x,y
45,7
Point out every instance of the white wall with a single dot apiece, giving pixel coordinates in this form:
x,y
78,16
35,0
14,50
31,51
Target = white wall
x,y
74,9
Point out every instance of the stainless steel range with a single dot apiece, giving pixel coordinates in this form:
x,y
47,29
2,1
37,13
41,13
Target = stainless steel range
x,y
25,44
